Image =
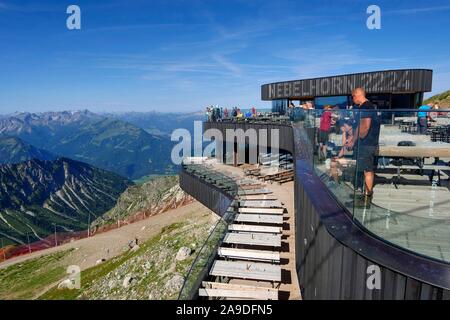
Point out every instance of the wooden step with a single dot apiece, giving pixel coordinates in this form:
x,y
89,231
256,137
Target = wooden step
x,y
260,203
253,239
226,290
254,228
258,197
246,270
254,192
247,254
259,218
261,210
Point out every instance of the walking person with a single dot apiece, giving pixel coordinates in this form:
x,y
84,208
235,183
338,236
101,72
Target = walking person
x,y
365,141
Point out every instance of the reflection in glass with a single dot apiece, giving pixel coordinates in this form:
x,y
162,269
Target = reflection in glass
x,y
410,206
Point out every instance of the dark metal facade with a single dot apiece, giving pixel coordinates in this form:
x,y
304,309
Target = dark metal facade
x,y
207,194
284,132
390,81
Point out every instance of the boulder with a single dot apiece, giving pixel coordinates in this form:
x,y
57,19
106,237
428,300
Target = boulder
x,y
127,281
183,253
175,283
135,248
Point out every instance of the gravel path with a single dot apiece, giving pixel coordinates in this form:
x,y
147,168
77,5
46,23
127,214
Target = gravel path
x,y
110,244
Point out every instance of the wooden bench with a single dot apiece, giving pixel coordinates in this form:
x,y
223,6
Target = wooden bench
x,y
254,228
247,254
259,218
237,291
253,239
246,270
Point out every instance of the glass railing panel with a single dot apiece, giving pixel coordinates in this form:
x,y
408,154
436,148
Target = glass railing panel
x,y
410,203
402,156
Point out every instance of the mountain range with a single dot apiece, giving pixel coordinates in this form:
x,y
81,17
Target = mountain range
x,y
108,143
15,150
158,123
36,194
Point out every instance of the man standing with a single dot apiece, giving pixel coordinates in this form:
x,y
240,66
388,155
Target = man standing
x,y
365,143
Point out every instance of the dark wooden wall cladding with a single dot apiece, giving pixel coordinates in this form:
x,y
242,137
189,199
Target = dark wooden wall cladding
x,y
389,81
284,131
207,194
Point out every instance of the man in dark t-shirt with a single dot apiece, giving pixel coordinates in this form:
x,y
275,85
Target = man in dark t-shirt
x,y
365,143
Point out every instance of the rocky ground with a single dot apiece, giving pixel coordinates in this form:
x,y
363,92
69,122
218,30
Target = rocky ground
x,y
114,266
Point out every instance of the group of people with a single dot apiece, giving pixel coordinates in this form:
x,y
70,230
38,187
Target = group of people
x,y
360,131
216,113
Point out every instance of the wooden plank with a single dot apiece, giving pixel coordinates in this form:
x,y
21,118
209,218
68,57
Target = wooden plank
x,y
238,294
262,210
253,239
414,152
247,254
258,197
253,228
232,286
246,270
254,191
259,218
260,203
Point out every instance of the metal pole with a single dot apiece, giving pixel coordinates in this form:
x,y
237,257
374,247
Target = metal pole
x,y
56,240
4,253
28,239
89,225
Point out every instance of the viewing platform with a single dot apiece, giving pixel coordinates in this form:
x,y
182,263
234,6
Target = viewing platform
x,y
256,250
345,243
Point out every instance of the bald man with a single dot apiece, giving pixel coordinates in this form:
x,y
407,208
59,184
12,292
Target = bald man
x,y
365,143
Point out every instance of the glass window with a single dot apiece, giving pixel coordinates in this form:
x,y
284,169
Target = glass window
x,y
280,106
341,101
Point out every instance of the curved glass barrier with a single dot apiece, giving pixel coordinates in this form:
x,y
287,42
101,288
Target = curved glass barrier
x,y
389,168
208,251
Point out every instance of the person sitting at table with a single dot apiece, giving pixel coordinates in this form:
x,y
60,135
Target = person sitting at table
x,y
346,129
422,118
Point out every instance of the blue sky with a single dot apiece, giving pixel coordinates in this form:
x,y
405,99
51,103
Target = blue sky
x,y
182,55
